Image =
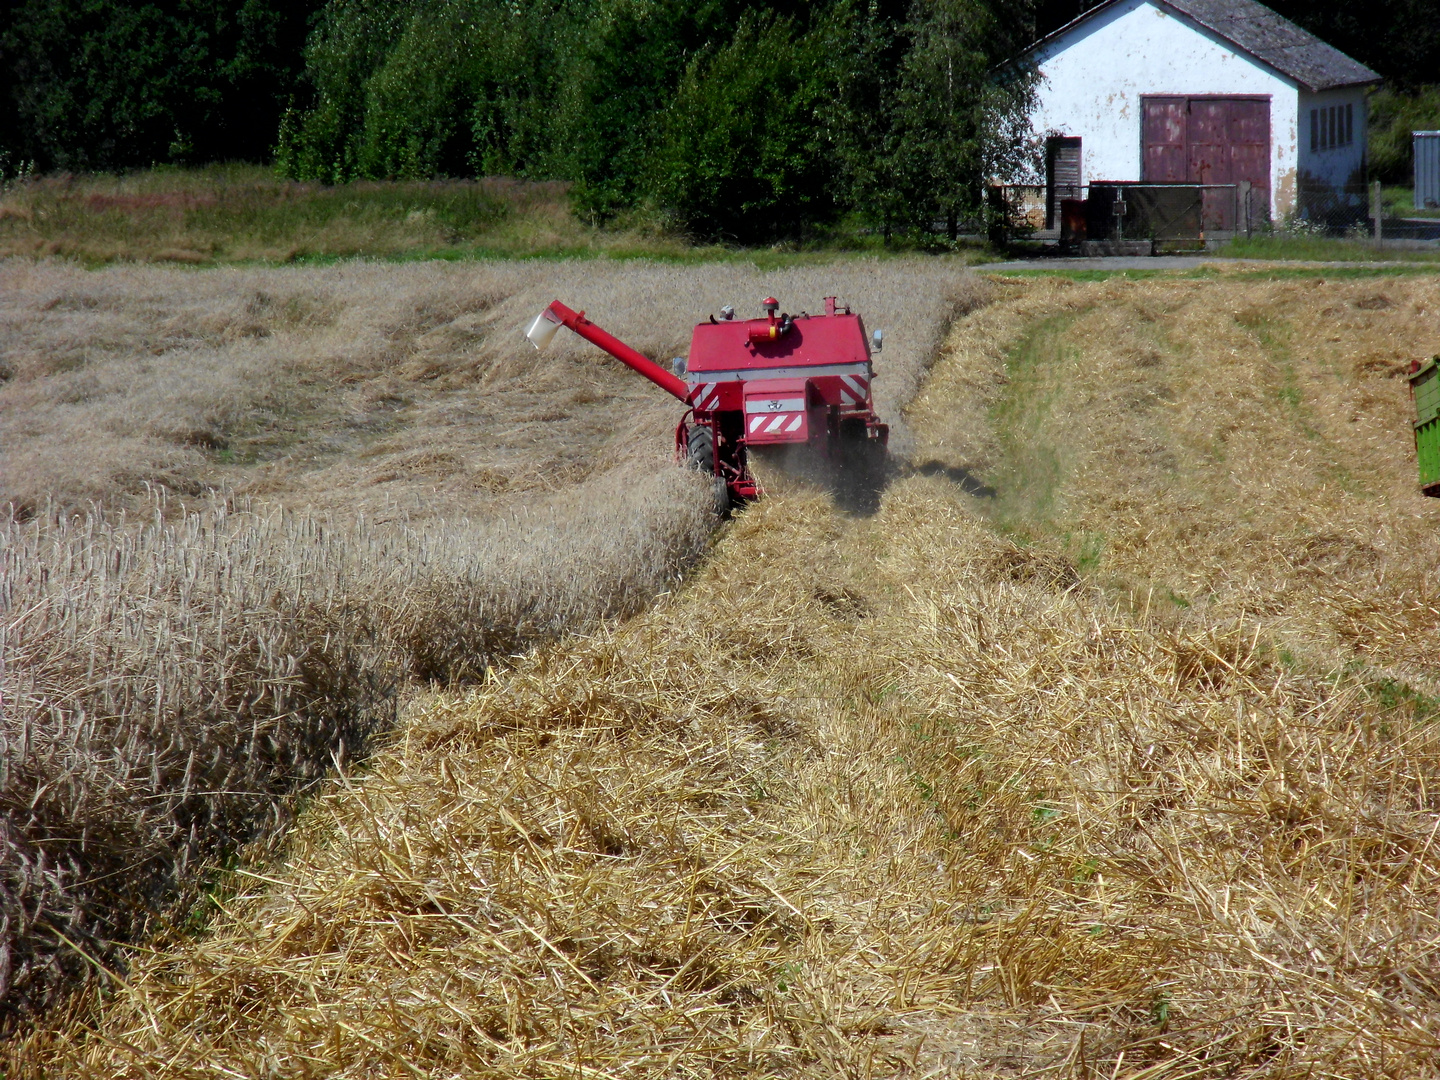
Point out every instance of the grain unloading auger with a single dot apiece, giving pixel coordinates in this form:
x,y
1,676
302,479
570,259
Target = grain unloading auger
x,y
774,381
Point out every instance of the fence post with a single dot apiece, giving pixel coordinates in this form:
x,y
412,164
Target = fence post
x,y
1377,211
1243,196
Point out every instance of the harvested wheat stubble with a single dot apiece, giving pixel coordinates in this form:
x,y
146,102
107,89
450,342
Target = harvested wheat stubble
x,y
165,688
888,797
883,797
389,388
1238,448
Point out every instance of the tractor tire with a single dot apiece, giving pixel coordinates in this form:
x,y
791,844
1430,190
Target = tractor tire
x,y
701,448
722,497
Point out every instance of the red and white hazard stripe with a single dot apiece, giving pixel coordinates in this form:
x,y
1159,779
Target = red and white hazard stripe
x,y
775,423
858,385
707,396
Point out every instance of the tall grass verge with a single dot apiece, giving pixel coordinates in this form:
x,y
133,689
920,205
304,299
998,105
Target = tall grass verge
x,y
238,213
1328,249
246,213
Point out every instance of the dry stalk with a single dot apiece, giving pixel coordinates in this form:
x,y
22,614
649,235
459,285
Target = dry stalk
x,y
898,796
167,688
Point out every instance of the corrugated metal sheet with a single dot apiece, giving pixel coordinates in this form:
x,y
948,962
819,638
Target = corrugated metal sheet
x,y
1427,169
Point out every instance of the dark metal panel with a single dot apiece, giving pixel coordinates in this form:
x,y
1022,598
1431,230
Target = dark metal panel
x,y
1163,136
1062,176
1250,149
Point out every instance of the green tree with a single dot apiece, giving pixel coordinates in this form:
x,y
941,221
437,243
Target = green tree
x,y
426,87
865,66
741,151
963,106
322,139
922,140
622,76
1394,116
102,84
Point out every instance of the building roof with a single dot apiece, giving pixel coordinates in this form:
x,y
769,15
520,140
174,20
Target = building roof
x,y
1264,34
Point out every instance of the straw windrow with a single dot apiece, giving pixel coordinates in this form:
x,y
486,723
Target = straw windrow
x,y
947,817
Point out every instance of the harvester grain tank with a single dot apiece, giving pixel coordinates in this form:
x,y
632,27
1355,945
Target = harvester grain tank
x,y
773,381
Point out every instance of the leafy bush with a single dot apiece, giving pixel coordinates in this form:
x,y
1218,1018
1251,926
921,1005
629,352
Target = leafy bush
x,y
742,154
1393,116
103,84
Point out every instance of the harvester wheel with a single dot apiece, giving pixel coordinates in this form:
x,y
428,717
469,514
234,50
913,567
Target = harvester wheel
x,y
722,497
701,442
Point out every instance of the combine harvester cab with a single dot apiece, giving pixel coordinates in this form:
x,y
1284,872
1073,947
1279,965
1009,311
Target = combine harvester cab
x,y
774,381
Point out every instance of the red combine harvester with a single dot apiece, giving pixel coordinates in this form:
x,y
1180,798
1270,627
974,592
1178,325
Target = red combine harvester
x,y
775,381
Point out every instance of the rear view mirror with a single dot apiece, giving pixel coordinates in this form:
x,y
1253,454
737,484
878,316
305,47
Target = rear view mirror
x,y
879,339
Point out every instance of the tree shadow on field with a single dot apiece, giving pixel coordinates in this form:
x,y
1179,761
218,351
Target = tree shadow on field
x,y
857,481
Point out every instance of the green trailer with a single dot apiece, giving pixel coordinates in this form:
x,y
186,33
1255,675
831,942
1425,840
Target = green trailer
x,y
1425,388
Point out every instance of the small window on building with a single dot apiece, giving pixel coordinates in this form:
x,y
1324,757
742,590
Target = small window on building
x,y
1332,126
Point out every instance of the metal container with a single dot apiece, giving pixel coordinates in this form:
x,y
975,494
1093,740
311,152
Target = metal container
x,y
1425,387
1427,169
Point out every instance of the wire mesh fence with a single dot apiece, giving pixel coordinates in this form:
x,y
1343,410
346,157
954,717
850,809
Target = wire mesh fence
x,y
1179,217
1331,210
1168,216
1355,211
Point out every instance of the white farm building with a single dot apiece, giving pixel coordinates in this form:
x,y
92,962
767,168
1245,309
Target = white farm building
x,y
1199,92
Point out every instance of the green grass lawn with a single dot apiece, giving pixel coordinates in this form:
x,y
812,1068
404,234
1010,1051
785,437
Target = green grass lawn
x,y
1400,202
1280,246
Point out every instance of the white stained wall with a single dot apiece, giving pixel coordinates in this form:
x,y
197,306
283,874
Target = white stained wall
x,y
1339,164
1094,76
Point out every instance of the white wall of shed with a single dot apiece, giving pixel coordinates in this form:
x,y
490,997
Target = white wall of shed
x,y
1094,76
1341,164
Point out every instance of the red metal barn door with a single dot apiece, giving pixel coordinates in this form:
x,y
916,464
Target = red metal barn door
x,y
1250,151
1209,140
1163,126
